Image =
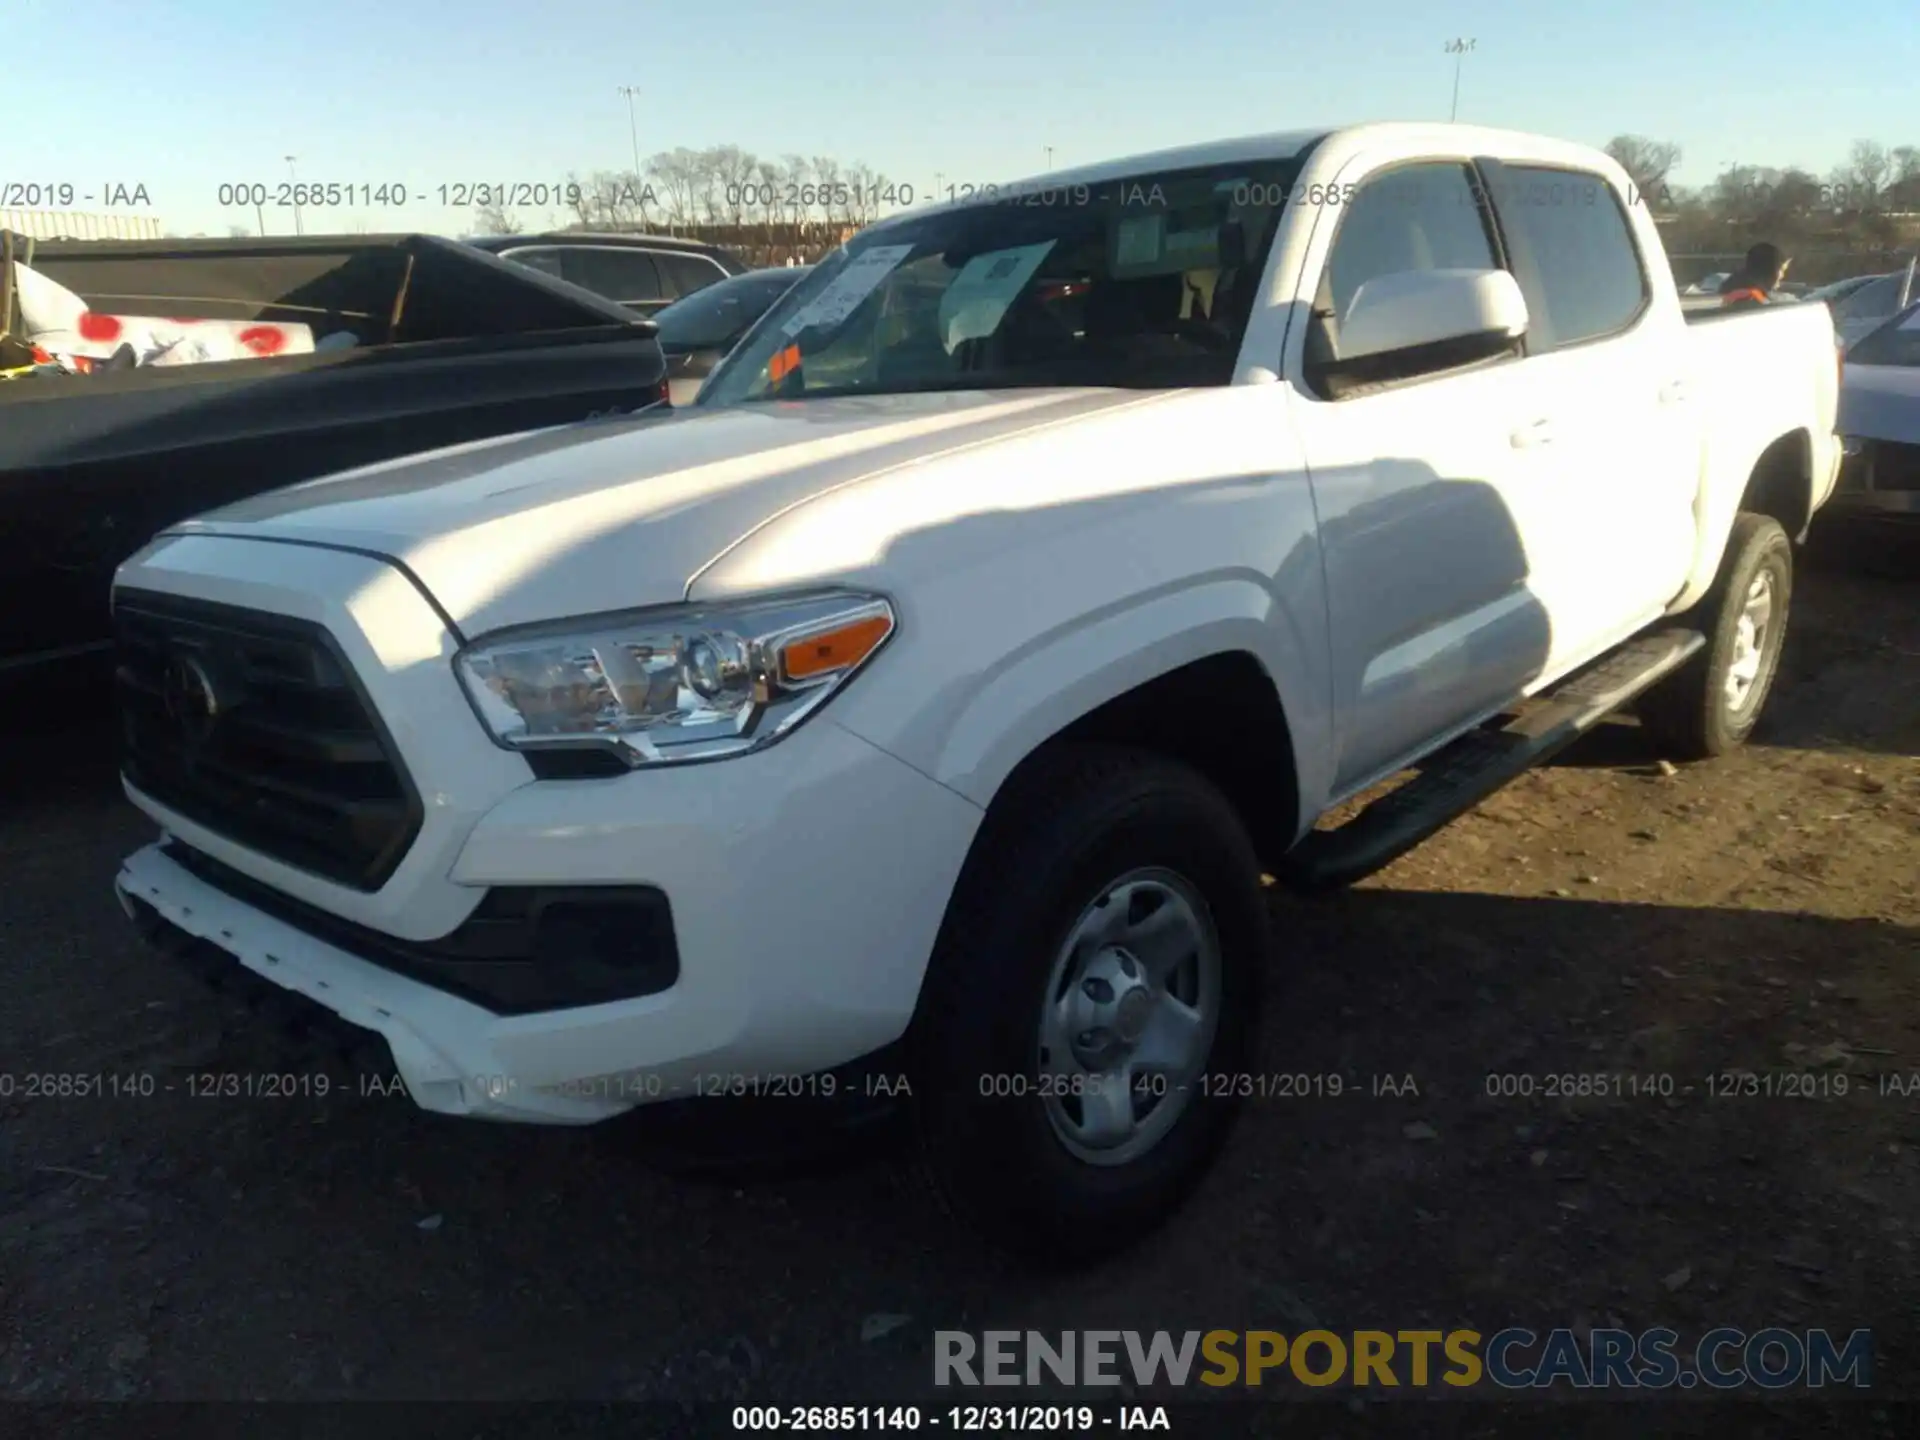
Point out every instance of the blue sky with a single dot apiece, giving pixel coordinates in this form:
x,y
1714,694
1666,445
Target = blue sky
x,y
182,95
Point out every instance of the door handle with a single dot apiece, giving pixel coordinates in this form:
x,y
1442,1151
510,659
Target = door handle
x,y
1540,432
1674,392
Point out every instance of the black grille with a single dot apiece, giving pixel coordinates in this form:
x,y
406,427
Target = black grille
x,y
254,726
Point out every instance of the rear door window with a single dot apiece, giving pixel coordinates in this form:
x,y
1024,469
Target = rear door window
x,y
624,275
542,258
684,274
1591,281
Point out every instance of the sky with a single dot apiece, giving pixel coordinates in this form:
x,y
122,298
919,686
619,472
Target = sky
x,y
183,96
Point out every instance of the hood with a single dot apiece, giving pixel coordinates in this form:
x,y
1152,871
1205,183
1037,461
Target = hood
x,y
1881,402
619,513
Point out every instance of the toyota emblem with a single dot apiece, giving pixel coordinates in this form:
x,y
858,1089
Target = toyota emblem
x,y
191,700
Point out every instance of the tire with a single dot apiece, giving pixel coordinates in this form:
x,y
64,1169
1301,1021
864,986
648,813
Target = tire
x,y
1692,715
1003,1134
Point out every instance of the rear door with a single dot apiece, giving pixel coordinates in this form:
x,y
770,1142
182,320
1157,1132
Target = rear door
x,y
1619,411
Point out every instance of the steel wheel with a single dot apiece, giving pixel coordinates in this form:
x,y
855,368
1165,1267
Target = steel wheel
x,y
1753,634
1129,1018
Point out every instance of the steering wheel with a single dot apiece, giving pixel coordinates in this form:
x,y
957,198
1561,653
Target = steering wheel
x,y
1201,333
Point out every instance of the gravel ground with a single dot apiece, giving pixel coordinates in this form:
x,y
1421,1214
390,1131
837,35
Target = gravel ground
x,y
1599,916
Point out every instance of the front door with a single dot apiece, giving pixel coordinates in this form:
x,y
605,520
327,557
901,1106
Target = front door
x,y
1430,491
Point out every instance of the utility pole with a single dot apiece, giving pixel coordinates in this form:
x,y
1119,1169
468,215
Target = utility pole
x,y
1459,49
296,199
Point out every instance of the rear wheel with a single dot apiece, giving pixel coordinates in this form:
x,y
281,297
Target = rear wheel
x,y
1099,970
1710,705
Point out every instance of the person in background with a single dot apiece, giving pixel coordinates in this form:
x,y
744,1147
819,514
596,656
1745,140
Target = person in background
x,y
1755,281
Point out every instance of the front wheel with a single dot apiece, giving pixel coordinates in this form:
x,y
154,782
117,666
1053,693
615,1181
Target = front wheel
x,y
1709,705
1099,971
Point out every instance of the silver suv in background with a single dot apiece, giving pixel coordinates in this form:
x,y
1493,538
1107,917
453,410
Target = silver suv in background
x,y
645,273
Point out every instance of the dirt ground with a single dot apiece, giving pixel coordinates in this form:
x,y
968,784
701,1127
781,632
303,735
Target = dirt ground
x,y
1758,913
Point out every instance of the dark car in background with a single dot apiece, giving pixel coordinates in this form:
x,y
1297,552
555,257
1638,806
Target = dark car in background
x,y
645,273
1880,421
696,333
1861,305
445,346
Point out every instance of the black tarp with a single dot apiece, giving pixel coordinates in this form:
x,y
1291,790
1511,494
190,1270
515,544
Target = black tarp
x,y
456,345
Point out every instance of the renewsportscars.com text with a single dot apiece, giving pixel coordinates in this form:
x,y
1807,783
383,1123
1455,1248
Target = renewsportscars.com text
x,y
1515,1358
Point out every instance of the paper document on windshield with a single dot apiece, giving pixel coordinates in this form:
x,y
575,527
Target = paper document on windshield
x,y
984,288
852,285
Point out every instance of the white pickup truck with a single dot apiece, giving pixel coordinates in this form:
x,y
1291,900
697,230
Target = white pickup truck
x,y
931,700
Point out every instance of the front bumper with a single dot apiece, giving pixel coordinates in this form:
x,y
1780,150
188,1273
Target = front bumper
x,y
806,882
807,885
1880,478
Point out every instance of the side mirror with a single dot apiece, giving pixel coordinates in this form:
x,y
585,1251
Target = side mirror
x,y
1446,317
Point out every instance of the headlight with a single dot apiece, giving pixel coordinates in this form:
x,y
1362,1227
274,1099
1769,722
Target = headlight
x,y
682,683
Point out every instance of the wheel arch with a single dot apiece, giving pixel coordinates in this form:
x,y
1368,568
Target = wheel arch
x,y
1778,483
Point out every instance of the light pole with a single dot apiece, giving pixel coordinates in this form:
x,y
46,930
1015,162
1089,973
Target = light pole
x,y
1049,157
1459,50
633,134
296,195
633,129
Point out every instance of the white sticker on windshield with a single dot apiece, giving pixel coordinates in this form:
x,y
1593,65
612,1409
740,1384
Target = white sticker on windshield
x,y
852,285
1138,242
984,288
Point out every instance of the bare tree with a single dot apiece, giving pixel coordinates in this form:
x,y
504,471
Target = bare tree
x,y
677,176
826,178
239,232
731,173
607,200
495,219
1647,163
1868,169
1903,189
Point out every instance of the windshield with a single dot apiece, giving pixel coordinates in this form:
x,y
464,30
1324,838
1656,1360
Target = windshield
x,y
1876,297
721,313
1895,343
1140,282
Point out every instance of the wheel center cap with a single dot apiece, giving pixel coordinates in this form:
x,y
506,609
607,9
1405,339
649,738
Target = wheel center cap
x,y
1133,1012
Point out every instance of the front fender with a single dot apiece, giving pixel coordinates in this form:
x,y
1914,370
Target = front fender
x,y
972,733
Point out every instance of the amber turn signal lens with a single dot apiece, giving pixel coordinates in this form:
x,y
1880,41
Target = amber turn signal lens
x,y
840,648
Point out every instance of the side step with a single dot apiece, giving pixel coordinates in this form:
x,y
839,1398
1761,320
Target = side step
x,y
1459,776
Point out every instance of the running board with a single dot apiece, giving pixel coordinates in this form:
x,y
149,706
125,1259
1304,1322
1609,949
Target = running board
x,y
1458,776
